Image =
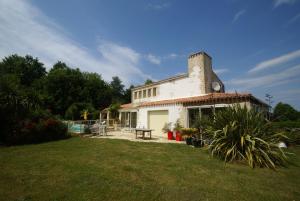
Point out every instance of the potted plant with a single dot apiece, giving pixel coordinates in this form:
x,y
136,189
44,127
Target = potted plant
x,y
166,129
177,130
187,134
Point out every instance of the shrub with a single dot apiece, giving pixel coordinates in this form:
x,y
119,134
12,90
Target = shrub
x,y
42,130
291,129
189,131
239,134
286,124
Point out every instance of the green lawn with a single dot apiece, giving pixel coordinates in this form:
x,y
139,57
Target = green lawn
x,y
100,169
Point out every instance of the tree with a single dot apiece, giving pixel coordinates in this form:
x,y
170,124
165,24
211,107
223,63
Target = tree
x,y
113,109
96,91
64,87
148,81
127,94
27,69
18,95
59,65
117,90
285,112
75,110
13,105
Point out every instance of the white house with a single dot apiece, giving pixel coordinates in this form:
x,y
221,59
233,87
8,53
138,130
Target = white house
x,y
183,97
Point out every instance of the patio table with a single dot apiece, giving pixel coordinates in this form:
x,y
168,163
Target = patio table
x,y
142,131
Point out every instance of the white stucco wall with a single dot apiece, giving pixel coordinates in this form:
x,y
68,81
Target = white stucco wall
x,y
196,82
180,88
173,114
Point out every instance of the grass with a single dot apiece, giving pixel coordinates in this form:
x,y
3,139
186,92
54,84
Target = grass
x,y
102,169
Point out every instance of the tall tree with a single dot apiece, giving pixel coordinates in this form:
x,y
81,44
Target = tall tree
x,y
64,87
117,89
127,94
18,95
96,91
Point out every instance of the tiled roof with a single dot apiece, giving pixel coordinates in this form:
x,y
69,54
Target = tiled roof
x,y
127,106
176,77
209,98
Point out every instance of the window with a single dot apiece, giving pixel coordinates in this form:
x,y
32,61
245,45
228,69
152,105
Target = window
x,y
144,93
154,91
149,92
135,95
207,112
193,116
140,94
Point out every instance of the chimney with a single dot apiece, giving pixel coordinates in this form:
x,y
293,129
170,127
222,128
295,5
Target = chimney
x,y
200,64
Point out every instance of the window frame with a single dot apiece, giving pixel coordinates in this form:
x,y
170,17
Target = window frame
x,y
149,92
154,91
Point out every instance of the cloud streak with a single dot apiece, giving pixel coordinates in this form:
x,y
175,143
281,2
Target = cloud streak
x,y
271,63
221,71
277,3
238,15
293,19
269,80
153,59
24,29
160,6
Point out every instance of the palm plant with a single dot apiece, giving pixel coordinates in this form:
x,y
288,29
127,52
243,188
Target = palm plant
x,y
242,134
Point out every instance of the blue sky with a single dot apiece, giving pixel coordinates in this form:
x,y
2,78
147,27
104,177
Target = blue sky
x,y
255,45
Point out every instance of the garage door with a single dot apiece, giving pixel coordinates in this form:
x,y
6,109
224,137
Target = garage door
x,y
157,120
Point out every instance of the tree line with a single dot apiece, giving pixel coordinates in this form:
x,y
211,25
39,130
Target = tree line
x,y
61,88
29,92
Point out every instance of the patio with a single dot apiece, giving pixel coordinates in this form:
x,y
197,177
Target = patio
x,y
126,135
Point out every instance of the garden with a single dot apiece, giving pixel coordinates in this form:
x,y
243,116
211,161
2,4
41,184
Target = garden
x,y
34,102
240,134
54,165
104,169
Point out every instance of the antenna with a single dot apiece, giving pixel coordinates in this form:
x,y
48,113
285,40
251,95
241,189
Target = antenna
x,y
269,99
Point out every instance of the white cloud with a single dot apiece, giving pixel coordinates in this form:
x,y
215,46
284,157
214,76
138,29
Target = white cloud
x,y
270,80
277,3
293,19
289,92
160,6
153,59
221,70
275,61
24,29
172,55
238,15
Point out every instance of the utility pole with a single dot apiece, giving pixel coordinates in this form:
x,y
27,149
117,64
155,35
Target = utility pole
x,y
269,101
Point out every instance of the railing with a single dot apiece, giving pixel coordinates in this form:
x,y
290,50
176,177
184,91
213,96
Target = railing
x,y
86,126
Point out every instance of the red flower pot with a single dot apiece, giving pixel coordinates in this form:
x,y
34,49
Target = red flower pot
x,y
170,135
178,136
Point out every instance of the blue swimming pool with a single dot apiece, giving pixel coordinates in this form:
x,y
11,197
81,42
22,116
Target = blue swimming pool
x,y
77,128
